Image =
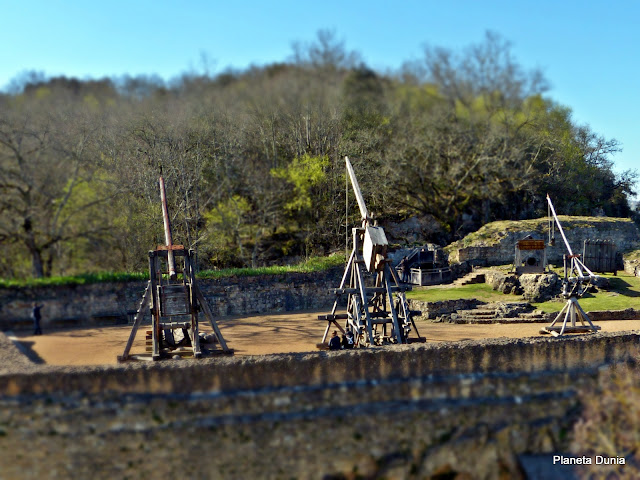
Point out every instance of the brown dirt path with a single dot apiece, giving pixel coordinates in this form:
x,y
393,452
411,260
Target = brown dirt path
x,y
256,335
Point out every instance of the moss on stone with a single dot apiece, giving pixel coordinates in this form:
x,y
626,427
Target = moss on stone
x,y
492,233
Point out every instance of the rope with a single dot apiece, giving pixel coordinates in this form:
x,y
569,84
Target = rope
x,y
346,214
551,226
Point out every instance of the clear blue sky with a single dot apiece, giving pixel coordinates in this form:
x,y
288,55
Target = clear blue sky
x,y
588,50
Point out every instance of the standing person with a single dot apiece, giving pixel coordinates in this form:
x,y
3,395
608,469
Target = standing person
x,y
36,316
404,269
334,343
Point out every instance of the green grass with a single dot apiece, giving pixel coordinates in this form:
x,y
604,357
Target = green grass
x,y
83,279
624,293
313,264
479,291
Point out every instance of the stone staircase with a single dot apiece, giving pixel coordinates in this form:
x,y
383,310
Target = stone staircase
x,y
499,312
470,278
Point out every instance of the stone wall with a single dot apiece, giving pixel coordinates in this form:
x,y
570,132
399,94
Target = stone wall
x,y
111,303
622,232
466,408
432,310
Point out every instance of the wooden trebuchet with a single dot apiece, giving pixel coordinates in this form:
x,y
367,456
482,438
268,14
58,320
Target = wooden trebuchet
x,y
577,278
377,309
173,303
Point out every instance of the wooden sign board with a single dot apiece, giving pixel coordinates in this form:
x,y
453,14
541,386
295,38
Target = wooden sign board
x,y
174,300
531,245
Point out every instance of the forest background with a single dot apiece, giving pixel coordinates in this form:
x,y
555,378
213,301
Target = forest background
x,y
253,159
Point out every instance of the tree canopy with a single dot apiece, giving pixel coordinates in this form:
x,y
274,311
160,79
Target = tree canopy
x,y
253,159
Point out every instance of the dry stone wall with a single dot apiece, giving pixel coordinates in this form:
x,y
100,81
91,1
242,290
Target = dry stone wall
x,y
113,303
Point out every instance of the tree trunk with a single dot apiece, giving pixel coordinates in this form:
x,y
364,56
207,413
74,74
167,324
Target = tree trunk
x,y
36,261
36,254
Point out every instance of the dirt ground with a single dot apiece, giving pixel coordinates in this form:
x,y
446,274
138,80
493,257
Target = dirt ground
x,y
253,335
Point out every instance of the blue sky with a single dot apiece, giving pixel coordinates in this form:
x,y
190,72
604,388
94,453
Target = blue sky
x,y
588,50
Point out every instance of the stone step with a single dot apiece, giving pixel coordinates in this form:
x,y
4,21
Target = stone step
x,y
470,278
521,312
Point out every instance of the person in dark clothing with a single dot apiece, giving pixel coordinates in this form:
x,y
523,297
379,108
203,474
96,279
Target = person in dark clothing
x,y
36,316
404,269
347,340
334,343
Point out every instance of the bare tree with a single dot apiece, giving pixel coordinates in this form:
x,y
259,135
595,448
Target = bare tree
x,y
46,155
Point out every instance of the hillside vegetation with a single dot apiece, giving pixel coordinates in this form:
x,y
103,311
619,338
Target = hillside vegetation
x,y
253,160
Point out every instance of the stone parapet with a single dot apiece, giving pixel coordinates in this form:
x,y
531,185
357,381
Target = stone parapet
x,y
535,354
467,408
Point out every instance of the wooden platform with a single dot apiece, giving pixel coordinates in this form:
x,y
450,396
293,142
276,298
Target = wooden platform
x,y
555,331
186,353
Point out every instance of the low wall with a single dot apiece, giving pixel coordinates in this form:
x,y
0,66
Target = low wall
x,y
432,310
466,408
113,303
287,370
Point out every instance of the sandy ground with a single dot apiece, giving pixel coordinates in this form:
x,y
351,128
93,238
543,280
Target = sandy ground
x,y
253,335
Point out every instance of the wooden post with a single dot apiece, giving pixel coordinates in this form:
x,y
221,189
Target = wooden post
x,y
167,230
144,303
154,307
207,311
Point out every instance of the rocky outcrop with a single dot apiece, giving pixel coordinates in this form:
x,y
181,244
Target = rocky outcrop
x,y
533,287
413,230
540,287
506,283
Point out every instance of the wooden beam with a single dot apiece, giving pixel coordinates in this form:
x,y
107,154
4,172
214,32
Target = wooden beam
x,y
207,311
356,190
144,303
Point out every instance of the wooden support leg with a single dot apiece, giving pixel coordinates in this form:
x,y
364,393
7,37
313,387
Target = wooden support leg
x,y
363,299
144,303
584,316
195,336
156,337
399,335
207,311
566,305
567,315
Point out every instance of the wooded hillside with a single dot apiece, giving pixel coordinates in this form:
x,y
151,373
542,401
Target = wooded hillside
x,y
253,159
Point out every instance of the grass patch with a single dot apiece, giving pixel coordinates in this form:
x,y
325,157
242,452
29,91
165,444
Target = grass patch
x,y
479,291
84,279
624,293
311,265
